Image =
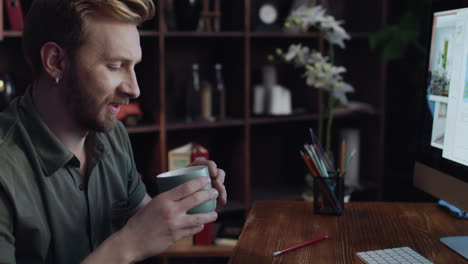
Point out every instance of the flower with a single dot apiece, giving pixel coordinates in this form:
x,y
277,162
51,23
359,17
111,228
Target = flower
x,y
316,17
319,71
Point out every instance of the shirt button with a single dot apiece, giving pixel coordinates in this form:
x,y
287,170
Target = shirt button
x,y
81,187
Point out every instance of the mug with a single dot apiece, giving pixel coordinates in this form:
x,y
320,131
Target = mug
x,y
174,178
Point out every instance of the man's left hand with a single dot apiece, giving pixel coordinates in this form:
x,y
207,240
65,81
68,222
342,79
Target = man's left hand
x,y
217,177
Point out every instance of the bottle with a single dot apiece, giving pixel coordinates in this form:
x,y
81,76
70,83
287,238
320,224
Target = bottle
x,y
219,102
7,90
193,95
206,101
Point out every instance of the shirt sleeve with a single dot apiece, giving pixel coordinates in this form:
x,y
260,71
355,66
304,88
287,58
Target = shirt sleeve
x,y
136,187
7,240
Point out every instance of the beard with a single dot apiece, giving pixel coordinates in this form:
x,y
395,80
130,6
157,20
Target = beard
x,y
85,107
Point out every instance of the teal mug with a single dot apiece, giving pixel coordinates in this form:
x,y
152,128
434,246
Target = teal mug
x,y
171,179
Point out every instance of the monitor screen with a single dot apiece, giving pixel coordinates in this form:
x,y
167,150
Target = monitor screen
x,y
442,164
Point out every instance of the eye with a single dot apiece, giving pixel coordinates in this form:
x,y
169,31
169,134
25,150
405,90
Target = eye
x,y
114,67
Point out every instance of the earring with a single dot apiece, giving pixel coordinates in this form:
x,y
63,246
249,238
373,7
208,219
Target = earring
x,y
57,80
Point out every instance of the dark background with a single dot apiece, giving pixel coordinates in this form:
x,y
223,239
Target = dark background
x,y
404,101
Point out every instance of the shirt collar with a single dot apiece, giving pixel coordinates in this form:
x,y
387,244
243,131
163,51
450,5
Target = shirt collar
x,y
52,153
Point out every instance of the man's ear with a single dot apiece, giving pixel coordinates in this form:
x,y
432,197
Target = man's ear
x,y
53,60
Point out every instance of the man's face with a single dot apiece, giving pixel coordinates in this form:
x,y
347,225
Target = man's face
x,y
101,76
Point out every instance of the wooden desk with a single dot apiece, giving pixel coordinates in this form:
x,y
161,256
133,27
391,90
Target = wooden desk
x,y
276,225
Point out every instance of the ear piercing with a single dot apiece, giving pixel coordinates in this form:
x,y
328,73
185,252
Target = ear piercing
x,y
57,80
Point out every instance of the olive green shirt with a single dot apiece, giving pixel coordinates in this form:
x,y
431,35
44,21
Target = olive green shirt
x,y
50,212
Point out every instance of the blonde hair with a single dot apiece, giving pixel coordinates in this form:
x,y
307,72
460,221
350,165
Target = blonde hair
x,y
65,22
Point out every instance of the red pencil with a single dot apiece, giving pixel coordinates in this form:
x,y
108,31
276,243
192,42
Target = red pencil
x,y
300,245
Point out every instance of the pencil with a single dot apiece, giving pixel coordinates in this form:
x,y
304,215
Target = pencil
x,y
325,155
322,185
315,240
342,157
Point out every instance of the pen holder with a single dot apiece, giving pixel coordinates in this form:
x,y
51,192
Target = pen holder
x,y
329,195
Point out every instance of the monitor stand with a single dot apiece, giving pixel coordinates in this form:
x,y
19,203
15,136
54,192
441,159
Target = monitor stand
x,y
458,244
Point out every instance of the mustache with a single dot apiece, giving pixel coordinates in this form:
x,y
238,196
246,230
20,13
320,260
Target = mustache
x,y
118,100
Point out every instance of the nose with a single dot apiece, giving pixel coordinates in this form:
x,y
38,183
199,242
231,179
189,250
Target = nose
x,y
130,87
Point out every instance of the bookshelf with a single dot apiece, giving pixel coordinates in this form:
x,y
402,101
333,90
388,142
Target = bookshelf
x,y
256,151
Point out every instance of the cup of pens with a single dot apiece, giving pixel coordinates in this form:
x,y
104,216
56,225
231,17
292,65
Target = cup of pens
x,y
329,194
328,187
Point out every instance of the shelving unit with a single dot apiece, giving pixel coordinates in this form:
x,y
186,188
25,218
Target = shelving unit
x,y
256,151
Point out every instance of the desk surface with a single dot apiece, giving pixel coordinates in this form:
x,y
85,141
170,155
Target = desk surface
x,y
276,225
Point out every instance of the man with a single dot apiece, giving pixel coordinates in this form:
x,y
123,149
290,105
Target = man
x,y
68,181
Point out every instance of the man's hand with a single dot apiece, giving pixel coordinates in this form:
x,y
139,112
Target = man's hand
x,y
217,177
158,225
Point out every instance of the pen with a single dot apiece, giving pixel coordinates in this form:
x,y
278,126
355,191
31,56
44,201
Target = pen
x,y
300,245
325,155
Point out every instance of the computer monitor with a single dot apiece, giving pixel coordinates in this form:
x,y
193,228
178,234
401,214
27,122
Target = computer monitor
x,y
441,168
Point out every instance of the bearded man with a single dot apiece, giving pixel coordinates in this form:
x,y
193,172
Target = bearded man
x,y
69,188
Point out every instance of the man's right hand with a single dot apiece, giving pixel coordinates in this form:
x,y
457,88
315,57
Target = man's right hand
x,y
160,223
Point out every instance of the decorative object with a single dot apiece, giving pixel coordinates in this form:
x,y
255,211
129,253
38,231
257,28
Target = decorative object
x,y
320,71
210,19
219,94
130,114
193,96
169,15
267,15
351,137
270,98
187,13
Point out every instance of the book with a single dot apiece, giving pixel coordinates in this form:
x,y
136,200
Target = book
x,y
182,156
204,237
15,14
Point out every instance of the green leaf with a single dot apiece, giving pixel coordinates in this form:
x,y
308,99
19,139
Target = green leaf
x,y
393,41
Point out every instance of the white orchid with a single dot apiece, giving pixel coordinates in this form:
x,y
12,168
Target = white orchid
x,y
297,54
305,16
316,17
320,73
335,33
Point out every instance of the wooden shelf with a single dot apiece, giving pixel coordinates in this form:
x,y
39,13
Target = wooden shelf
x,y
344,111
196,34
12,33
143,129
148,33
212,251
205,124
19,33
338,112
282,119
280,34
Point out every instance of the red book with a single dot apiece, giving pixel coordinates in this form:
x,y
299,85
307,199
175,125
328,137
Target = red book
x,y
15,14
204,237
199,151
